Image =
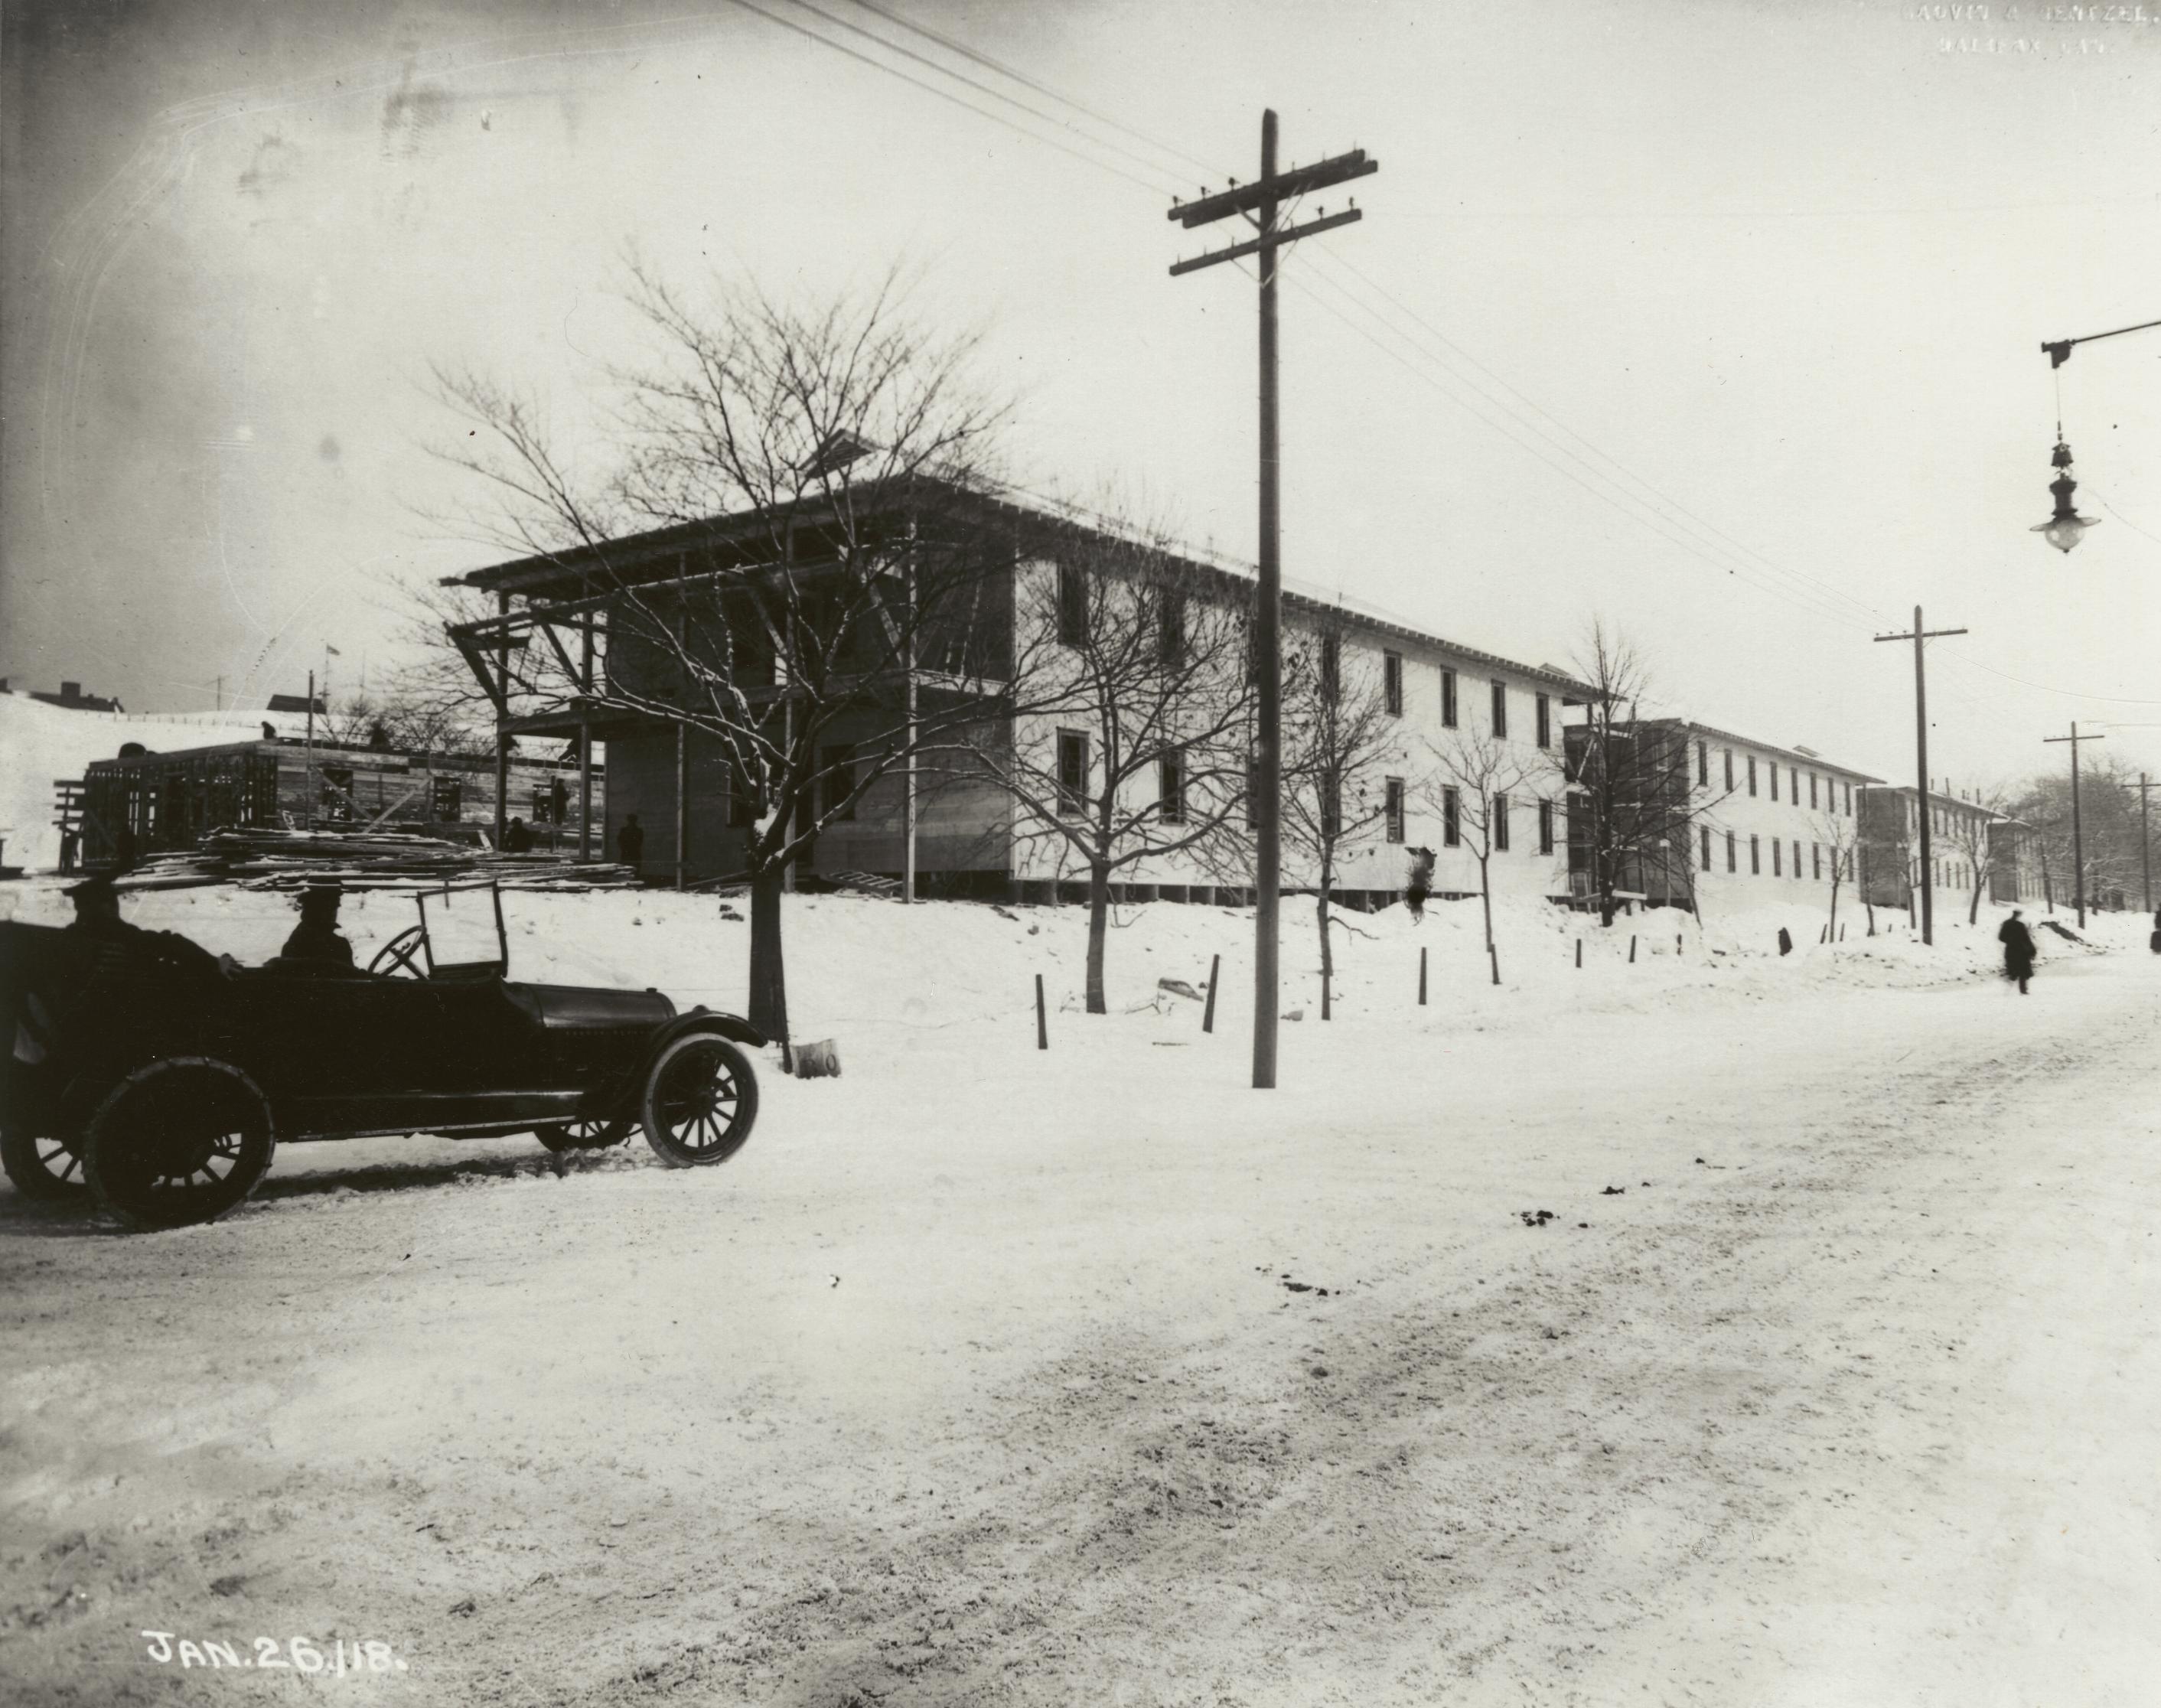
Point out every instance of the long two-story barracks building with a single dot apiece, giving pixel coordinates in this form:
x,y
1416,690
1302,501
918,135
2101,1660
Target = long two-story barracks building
x,y
962,837
1711,815
1972,847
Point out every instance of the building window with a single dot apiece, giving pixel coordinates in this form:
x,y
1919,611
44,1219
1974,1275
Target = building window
x,y
1451,817
1545,827
1777,865
445,799
1500,823
1704,831
1774,779
1072,773
1545,719
1752,773
1395,809
1170,629
1072,605
837,782
1815,860
1797,859
1703,764
1755,858
1447,698
1170,788
1812,791
334,797
1392,682
1849,800
1331,668
1730,864
1729,770
1499,710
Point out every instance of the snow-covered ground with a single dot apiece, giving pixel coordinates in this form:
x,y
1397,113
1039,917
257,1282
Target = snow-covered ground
x,y
988,1374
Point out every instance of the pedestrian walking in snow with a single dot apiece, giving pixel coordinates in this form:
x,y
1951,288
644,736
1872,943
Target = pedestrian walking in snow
x,y
2017,949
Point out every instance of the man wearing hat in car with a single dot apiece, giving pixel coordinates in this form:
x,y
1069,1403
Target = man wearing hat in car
x,y
97,921
316,938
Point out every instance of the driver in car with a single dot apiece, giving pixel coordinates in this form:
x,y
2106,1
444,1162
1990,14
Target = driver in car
x,y
316,938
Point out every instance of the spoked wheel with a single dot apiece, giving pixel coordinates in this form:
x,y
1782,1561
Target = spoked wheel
x,y
182,1140
699,1103
41,1166
400,955
583,1135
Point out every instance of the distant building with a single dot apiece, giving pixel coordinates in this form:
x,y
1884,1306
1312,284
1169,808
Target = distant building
x,y
1970,845
172,800
1767,821
296,702
70,695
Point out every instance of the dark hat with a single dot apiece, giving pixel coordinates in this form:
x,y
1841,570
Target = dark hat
x,y
96,885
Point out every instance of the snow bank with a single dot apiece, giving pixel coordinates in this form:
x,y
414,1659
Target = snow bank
x,y
39,743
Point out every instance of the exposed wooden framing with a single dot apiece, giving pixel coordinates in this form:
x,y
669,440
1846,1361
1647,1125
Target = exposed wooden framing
x,y
501,733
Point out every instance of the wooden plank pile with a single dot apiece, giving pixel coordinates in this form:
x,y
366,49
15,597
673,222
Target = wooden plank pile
x,y
263,858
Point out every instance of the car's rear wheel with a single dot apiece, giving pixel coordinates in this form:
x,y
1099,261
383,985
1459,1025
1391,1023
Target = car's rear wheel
x,y
584,1135
701,1101
182,1140
41,1166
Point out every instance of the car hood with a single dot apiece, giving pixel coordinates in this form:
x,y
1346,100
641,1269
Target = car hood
x,y
580,1008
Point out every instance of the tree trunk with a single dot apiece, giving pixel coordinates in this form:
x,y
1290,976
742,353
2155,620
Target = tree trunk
x,y
1486,901
1973,908
1327,952
1099,918
769,975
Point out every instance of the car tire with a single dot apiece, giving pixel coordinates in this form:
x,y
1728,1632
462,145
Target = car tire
x,y
583,1135
46,1168
182,1140
701,1101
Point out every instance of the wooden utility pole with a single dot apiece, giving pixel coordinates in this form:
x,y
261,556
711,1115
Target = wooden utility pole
x,y
1259,202
2145,844
1921,746
2078,831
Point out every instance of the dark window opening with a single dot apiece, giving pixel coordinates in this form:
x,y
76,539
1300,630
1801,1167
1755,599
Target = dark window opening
x,y
1448,700
1755,858
1545,827
1170,630
837,764
1072,774
334,798
1545,719
445,799
1500,824
1331,667
1392,682
1499,710
1170,788
1395,808
1451,818
1072,605
1706,830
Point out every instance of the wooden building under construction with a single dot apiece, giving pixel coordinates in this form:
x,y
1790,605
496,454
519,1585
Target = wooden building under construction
x,y
171,800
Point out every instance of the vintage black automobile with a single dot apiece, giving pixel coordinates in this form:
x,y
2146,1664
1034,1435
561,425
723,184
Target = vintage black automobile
x,y
161,1085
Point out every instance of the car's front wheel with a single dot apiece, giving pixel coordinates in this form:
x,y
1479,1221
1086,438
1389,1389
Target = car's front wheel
x,y
701,1101
184,1139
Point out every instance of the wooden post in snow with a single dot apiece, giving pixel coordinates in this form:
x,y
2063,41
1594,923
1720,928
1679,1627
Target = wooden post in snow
x,y
1208,1013
1579,954
1632,949
1042,1025
1421,975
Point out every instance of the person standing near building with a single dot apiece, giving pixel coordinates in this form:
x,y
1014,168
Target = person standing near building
x,y
517,837
2017,949
630,845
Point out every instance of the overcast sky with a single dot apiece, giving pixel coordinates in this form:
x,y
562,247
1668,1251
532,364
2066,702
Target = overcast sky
x,y
1719,320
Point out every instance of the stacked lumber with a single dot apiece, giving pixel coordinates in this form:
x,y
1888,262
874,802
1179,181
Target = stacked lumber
x,y
263,858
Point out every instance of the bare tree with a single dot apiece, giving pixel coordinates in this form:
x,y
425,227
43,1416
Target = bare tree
x,y
1968,836
1338,734
786,544
1124,741
1633,805
1479,779
1841,838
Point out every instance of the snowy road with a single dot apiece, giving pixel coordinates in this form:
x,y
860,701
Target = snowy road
x,y
959,1386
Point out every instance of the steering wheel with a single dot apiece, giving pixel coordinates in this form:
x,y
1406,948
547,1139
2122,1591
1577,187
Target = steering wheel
x,y
400,956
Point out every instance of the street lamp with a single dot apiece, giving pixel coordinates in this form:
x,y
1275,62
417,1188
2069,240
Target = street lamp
x,y
2063,529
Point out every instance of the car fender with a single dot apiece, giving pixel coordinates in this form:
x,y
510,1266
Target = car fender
x,y
731,1027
